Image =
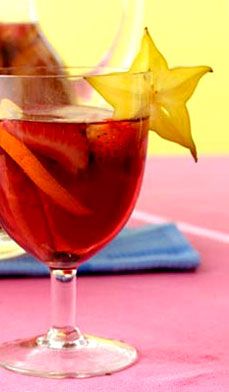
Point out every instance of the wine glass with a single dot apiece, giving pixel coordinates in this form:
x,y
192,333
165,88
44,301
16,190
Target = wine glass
x,y
23,43
70,175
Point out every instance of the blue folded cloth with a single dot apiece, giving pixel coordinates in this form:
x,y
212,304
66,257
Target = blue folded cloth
x,y
135,249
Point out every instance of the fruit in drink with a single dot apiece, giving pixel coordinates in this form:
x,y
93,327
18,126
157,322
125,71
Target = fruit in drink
x,y
67,187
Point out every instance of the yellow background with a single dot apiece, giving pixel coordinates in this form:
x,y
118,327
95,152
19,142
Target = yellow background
x,y
188,32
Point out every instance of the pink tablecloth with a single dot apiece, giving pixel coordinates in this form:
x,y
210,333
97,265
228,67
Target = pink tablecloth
x,y
178,321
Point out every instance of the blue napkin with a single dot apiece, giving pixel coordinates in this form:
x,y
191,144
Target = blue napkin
x,y
150,247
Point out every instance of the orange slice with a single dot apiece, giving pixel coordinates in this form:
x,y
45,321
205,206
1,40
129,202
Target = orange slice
x,y
38,174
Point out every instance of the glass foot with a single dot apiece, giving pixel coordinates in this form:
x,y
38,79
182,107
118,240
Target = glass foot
x,y
90,356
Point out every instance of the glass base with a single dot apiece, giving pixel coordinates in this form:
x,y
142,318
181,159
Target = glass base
x,y
89,356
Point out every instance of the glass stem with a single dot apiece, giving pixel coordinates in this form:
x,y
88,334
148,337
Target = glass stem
x,y
63,332
63,298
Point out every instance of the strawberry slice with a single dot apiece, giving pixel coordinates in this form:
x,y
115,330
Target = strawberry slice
x,y
115,139
65,143
39,174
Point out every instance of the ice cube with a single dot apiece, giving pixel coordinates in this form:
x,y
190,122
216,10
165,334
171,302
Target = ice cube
x,y
9,110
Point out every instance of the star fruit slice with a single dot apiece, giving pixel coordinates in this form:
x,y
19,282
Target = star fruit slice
x,y
170,89
127,93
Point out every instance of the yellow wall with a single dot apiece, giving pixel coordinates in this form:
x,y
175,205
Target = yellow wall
x,y
190,32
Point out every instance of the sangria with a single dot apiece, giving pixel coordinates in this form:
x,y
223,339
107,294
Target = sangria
x,y
60,179
25,44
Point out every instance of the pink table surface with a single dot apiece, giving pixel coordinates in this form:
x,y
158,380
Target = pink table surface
x,y
178,321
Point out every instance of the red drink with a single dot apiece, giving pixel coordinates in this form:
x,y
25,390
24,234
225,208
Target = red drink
x,y
24,44
24,47
68,186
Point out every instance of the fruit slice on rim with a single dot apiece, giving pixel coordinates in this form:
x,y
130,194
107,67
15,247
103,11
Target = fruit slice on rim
x,y
38,174
170,89
128,94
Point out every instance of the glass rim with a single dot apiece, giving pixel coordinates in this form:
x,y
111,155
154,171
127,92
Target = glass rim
x,y
65,72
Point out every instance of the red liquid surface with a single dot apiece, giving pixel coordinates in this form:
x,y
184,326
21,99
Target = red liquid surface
x,y
98,165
